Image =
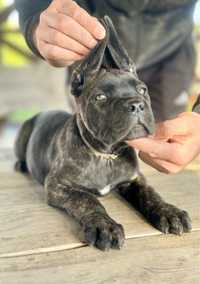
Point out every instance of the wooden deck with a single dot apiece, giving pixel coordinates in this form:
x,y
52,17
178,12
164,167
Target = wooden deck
x,y
39,244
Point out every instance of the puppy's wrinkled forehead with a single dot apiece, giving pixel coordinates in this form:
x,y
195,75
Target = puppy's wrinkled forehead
x,y
120,84
110,82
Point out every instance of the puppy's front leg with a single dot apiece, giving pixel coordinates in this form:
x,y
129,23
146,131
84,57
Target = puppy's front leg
x,y
99,229
165,217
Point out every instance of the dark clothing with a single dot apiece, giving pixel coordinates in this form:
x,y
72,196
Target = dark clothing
x,y
168,82
157,35
150,30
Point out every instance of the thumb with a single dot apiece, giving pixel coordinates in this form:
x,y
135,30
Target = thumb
x,y
174,127
155,148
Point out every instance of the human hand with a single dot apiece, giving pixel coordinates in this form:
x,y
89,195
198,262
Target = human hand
x,y
175,143
66,33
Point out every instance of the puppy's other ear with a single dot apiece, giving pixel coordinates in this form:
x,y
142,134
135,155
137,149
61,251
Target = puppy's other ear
x,y
89,68
116,55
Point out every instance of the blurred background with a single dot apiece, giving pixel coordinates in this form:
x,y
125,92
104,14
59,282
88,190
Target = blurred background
x,y
28,85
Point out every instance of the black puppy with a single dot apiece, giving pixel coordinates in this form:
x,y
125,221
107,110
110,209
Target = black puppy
x,y
78,157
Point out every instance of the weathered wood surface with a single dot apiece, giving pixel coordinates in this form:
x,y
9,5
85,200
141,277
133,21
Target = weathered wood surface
x,y
156,259
29,226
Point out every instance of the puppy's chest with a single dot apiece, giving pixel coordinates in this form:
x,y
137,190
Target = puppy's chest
x,y
101,174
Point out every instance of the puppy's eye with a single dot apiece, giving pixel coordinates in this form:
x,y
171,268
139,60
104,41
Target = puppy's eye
x,y
141,89
101,98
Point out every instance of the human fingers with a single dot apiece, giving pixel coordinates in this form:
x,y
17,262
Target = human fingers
x,y
57,56
162,150
152,146
57,38
167,129
160,165
182,125
81,16
69,27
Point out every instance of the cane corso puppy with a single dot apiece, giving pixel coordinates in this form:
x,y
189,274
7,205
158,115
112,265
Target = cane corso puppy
x,y
84,156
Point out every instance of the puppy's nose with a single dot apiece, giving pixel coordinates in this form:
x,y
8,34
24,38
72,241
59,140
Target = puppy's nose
x,y
136,107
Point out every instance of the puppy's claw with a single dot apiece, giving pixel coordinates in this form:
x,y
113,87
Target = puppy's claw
x,y
163,225
186,221
117,240
176,226
169,219
103,232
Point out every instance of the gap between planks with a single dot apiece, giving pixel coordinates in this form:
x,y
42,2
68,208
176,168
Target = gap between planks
x,y
73,246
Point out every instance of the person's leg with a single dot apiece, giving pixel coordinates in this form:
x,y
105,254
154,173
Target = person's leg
x,y
169,82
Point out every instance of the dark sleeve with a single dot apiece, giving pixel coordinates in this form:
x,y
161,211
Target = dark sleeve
x,y
29,13
196,107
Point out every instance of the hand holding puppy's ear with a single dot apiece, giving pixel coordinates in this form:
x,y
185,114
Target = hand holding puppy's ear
x,y
66,33
108,54
88,69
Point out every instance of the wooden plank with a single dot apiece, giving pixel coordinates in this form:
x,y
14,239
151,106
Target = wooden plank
x,y
149,260
32,226
7,160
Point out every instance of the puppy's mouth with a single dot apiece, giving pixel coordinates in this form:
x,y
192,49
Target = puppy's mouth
x,y
141,129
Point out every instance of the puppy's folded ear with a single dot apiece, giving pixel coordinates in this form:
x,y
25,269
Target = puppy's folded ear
x,y
108,54
116,56
89,68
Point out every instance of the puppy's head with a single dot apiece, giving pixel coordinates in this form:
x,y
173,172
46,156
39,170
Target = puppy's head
x,y
112,102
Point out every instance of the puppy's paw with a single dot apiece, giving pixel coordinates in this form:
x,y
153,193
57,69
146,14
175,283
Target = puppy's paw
x,y
170,219
103,232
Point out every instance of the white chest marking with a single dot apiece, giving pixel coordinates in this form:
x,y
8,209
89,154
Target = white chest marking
x,y
105,190
108,187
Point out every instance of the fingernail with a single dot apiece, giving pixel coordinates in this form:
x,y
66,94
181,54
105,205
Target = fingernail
x,y
100,31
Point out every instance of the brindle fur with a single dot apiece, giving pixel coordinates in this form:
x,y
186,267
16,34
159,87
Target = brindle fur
x,y
79,157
